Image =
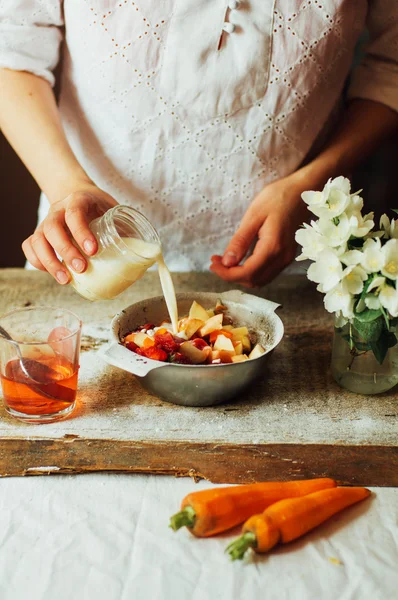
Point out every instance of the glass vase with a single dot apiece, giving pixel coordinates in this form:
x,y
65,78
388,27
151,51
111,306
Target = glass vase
x,y
358,370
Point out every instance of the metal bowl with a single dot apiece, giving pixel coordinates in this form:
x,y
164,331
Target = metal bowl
x,y
196,385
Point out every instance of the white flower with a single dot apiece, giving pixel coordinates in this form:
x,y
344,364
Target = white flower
x,y
355,206
390,253
340,321
339,299
360,226
337,233
311,241
327,270
388,297
332,201
351,257
389,228
376,283
353,279
373,257
373,302
384,295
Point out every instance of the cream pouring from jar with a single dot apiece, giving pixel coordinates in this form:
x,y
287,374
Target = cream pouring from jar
x,y
127,246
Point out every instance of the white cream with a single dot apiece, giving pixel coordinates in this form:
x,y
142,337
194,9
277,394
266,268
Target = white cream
x,y
111,271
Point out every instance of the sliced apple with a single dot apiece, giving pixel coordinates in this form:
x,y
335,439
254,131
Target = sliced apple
x,y
140,339
182,323
195,355
213,324
239,332
257,351
191,326
238,347
226,356
224,343
198,312
239,358
130,337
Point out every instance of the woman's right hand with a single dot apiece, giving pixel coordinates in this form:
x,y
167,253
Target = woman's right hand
x,y
67,218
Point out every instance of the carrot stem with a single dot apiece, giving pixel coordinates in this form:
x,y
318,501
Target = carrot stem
x,y
184,518
238,548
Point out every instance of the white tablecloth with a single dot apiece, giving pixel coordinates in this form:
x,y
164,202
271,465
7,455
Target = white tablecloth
x,y
106,536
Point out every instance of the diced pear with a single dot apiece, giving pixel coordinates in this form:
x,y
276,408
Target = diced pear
x,y
224,343
239,332
215,354
213,324
192,326
195,355
210,313
228,327
130,337
198,312
182,323
257,351
239,358
140,338
238,347
246,343
226,356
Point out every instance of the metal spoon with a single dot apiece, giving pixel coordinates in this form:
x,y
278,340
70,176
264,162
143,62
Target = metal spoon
x,y
26,362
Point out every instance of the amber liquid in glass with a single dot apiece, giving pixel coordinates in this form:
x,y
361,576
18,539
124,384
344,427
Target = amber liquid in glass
x,y
51,390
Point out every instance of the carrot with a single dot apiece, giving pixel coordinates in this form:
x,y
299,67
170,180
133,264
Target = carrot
x,y
289,519
214,510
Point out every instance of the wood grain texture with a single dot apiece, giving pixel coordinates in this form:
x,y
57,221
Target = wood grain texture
x,y
295,422
218,463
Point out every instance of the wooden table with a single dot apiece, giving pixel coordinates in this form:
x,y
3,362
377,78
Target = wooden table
x,y
295,423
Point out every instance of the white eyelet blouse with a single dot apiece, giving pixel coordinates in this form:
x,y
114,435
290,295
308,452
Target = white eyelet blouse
x,y
186,109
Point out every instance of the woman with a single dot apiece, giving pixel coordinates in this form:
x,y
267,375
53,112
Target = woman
x,y
209,116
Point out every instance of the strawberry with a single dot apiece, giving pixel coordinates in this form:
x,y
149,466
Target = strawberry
x,y
156,353
131,346
165,341
199,343
179,358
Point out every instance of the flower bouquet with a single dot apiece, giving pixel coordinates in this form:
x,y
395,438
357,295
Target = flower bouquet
x,y
356,267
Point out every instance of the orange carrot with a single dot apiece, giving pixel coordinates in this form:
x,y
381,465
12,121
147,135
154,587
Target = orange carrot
x,y
214,510
289,519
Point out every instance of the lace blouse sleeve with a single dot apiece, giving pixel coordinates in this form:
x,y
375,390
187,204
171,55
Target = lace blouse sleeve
x,y
376,77
30,36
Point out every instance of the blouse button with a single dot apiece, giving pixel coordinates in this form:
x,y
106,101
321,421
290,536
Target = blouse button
x,y
228,27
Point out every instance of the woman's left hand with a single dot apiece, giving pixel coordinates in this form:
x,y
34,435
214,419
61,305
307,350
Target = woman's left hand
x,y
273,218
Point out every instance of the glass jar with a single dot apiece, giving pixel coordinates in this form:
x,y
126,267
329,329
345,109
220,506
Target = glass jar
x,y
127,246
358,370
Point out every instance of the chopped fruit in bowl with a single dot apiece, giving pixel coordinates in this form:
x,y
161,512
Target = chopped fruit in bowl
x,y
204,337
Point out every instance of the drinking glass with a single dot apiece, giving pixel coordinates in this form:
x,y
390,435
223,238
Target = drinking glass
x,y
39,365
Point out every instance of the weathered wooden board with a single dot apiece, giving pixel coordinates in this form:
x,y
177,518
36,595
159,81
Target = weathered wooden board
x,y
294,423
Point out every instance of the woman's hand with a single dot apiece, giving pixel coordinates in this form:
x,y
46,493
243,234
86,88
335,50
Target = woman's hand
x,y
272,219
67,219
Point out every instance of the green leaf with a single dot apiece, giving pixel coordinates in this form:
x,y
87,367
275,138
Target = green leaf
x,y
380,347
395,210
368,315
369,331
336,220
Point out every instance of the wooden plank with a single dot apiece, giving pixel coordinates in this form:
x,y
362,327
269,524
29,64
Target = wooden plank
x,y
295,422
219,463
